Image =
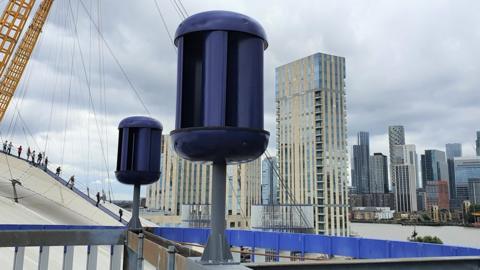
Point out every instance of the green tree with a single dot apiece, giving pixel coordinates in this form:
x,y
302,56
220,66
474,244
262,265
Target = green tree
x,y
427,239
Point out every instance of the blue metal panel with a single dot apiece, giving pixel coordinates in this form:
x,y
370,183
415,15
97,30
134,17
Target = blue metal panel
x,y
468,252
196,235
345,246
373,249
267,240
318,244
240,238
404,249
449,251
309,243
291,241
431,250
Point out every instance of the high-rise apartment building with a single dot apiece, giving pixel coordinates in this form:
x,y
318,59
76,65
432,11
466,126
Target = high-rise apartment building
x,y
396,136
404,177
465,169
453,150
434,166
360,163
270,184
477,142
184,183
378,173
312,138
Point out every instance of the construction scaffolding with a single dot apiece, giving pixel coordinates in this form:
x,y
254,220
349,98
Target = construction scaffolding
x,y
293,218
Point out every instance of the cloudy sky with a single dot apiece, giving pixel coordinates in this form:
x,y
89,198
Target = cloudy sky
x,y
413,63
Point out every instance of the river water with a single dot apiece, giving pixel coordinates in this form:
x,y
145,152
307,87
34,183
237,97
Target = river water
x,y
450,235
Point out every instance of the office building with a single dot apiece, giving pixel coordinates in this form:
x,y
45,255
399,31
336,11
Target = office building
x,y
312,139
474,190
421,199
434,166
437,194
453,150
378,173
186,186
404,177
360,163
477,142
465,169
270,184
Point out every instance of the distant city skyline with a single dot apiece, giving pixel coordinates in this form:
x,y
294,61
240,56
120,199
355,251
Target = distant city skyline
x,y
379,142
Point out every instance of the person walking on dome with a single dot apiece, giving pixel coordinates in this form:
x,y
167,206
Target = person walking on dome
x,y
98,199
58,170
10,145
19,149
39,158
5,146
46,163
33,157
71,182
29,152
120,214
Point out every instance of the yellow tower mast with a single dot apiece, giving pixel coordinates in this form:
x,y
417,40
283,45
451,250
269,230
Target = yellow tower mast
x,y
12,22
14,72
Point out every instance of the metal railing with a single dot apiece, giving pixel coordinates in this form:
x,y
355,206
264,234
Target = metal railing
x,y
69,237
128,249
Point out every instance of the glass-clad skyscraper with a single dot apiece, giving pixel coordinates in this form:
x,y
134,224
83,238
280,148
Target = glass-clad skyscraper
x,y
312,138
453,150
434,166
465,169
360,163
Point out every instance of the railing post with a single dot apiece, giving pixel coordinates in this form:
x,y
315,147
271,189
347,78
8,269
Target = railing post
x,y
171,258
43,258
140,251
92,257
19,257
115,257
67,258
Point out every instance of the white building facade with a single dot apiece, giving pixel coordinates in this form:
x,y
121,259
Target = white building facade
x,y
312,139
404,177
185,183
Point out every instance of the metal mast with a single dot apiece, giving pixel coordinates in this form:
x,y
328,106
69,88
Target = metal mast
x,y
14,72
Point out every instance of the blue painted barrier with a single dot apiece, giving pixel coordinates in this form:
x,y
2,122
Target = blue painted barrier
x,y
361,248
